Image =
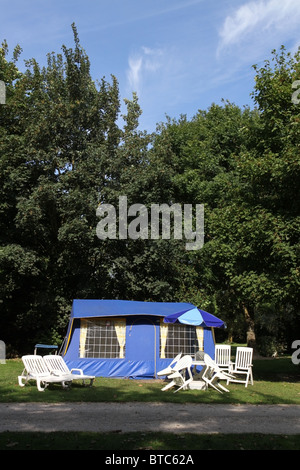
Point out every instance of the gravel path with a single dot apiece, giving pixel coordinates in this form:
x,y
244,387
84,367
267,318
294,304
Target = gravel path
x,y
145,417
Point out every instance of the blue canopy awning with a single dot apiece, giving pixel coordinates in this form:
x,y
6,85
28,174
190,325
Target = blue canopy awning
x,y
83,308
171,311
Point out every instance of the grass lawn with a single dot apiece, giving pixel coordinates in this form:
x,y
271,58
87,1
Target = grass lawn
x,y
276,381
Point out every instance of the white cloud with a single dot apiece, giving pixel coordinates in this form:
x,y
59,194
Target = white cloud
x,y
134,72
257,17
142,65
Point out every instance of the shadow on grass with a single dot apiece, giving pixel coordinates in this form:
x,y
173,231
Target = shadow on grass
x,y
145,442
276,370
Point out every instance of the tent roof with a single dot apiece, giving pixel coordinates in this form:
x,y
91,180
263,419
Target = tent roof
x,y
85,308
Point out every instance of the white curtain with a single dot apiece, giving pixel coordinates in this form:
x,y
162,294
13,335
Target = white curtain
x,y
200,337
82,339
120,327
163,338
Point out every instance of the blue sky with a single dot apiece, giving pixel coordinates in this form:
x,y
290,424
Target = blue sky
x,y
178,55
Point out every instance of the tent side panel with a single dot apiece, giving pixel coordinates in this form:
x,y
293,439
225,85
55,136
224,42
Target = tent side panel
x,y
136,364
71,350
209,342
117,368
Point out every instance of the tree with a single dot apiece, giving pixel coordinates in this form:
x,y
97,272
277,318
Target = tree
x,y
140,268
62,154
204,154
55,128
244,166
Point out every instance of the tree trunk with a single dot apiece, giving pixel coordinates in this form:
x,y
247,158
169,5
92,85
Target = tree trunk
x,y
251,339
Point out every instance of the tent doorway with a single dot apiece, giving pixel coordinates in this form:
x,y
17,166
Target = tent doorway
x,y
141,344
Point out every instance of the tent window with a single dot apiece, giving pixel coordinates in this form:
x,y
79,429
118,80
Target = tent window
x,y
178,338
102,338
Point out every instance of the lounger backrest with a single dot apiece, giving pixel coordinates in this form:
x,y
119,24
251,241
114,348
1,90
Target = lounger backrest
x,y
35,365
56,363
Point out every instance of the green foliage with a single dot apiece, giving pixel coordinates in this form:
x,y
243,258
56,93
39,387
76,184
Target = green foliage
x,y
63,153
244,165
54,129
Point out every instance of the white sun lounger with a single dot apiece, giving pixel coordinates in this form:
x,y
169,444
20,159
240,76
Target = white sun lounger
x,y
56,365
35,369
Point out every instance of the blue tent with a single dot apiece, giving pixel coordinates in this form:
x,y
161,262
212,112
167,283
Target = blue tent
x,y
122,338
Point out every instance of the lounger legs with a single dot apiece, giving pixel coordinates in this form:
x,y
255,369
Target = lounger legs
x,y
40,387
20,380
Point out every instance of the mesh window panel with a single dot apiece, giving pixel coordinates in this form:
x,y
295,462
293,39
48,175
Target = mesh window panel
x,y
181,338
101,340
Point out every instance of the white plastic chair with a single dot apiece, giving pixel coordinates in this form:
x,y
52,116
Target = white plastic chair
x,y
57,366
181,374
222,356
242,366
35,369
168,370
213,374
